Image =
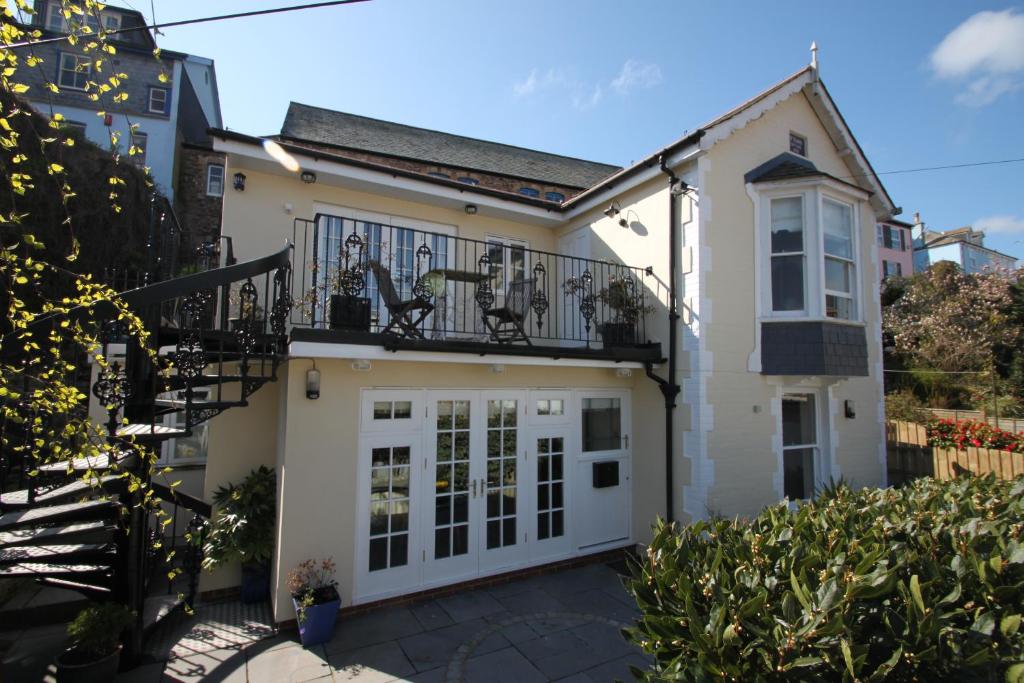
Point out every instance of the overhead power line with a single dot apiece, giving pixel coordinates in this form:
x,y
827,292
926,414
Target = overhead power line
x,y
937,168
199,20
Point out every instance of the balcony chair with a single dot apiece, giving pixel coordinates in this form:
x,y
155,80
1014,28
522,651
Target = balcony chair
x,y
405,315
505,323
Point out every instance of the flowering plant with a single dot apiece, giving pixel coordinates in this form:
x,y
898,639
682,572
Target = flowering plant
x,y
971,433
313,583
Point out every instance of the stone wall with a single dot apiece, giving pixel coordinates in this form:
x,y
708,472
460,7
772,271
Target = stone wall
x,y
199,213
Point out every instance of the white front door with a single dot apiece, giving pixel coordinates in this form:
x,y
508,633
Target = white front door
x,y
603,470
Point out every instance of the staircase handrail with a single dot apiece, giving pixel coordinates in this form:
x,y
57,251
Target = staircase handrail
x,y
182,499
162,291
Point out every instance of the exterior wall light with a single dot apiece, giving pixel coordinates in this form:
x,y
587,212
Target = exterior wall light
x,y
308,177
313,383
850,409
471,209
613,210
240,181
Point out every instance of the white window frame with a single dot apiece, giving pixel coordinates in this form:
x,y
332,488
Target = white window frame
x,y
209,179
805,232
852,262
74,71
818,447
165,108
133,140
803,139
55,20
111,21
176,420
814,193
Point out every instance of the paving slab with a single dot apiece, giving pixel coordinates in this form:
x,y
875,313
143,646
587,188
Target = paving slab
x,y
223,666
435,648
507,665
532,601
379,626
372,664
292,664
430,615
469,605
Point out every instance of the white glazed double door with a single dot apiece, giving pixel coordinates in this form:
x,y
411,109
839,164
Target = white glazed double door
x,y
486,492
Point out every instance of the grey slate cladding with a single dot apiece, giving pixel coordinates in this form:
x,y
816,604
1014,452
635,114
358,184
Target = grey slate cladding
x,y
783,167
313,124
813,348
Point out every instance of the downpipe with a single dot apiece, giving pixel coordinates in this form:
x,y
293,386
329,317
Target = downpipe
x,y
669,389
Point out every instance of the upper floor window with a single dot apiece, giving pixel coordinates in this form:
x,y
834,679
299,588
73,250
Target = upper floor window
x,y
554,196
56,21
798,144
215,180
529,192
469,181
55,18
159,101
74,71
810,241
111,22
138,149
837,227
788,257
892,237
892,269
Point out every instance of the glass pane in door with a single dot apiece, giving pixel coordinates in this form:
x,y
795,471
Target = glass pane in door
x,y
602,424
550,488
389,508
451,484
502,473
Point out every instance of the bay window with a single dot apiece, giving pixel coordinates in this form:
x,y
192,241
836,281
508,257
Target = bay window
x,y
810,245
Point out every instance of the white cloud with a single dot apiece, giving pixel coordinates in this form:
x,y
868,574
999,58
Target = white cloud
x,y
986,52
1003,224
636,74
583,94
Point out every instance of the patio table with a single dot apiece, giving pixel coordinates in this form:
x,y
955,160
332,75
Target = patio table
x,y
438,278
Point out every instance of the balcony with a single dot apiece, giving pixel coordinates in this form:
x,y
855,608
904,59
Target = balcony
x,y
359,282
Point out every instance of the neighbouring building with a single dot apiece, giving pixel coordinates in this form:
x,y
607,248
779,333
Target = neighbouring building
x,y
173,100
895,248
962,246
501,358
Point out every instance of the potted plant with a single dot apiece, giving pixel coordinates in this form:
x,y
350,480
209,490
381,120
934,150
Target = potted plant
x,y
95,652
316,600
344,311
242,529
627,305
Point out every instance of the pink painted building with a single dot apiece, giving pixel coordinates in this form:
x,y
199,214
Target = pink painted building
x,y
895,249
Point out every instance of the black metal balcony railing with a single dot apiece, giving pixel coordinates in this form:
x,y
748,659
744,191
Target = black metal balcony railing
x,y
369,277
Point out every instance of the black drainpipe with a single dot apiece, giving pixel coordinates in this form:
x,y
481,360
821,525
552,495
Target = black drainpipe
x,y
669,388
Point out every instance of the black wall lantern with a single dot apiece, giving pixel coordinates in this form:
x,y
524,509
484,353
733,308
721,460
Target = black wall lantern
x,y
308,177
240,181
850,409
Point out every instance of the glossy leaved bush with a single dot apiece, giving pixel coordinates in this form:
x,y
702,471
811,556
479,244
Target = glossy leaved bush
x,y
923,583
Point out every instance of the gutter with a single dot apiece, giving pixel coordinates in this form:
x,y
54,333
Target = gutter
x,y
669,388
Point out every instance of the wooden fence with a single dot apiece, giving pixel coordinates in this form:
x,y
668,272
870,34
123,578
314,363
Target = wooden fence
x,y
909,456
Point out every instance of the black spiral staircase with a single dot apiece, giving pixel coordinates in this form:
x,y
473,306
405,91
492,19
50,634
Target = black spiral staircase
x,y
214,338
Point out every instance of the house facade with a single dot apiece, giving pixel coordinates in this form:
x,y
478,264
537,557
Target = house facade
x,y
895,248
962,246
491,375
172,102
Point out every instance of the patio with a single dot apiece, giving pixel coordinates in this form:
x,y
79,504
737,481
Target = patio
x,y
555,627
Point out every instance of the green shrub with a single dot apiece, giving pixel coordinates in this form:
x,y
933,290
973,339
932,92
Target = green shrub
x,y
242,527
922,583
96,631
905,406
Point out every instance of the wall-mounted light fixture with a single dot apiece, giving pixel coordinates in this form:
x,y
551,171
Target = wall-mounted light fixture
x,y
308,177
471,209
613,210
850,409
623,372
361,365
624,220
240,181
497,368
313,383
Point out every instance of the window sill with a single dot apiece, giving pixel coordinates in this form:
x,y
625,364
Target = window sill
x,y
812,319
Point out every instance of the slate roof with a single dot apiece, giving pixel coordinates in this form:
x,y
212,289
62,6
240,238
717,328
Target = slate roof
x,y
789,166
339,129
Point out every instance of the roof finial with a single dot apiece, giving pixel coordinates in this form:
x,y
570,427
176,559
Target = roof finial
x,y
814,55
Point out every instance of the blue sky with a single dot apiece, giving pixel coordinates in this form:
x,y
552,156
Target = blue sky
x,y
613,81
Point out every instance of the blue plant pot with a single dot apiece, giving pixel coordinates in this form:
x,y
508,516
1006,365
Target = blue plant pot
x,y
255,583
317,626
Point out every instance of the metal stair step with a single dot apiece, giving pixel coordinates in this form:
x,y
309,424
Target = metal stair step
x,y
15,499
103,553
86,531
84,588
54,514
86,573
95,462
150,432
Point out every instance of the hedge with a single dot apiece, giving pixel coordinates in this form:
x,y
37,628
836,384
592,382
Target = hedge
x,y
922,583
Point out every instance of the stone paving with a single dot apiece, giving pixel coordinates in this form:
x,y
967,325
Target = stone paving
x,y
555,627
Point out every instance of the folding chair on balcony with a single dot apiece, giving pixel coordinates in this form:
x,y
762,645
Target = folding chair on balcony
x,y
405,314
505,323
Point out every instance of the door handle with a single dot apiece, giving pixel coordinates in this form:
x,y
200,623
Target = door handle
x,y
474,488
625,440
